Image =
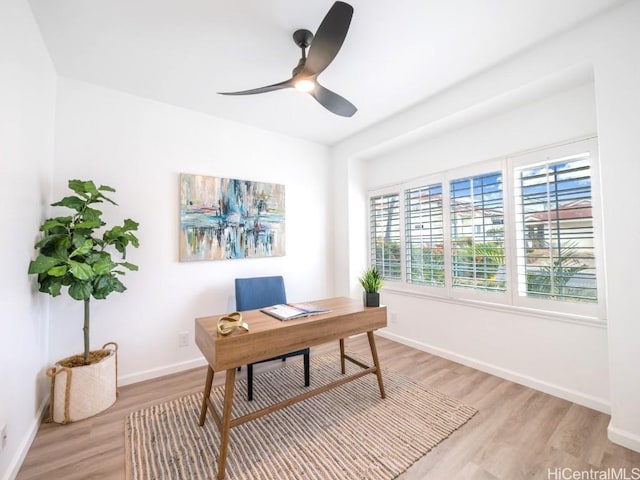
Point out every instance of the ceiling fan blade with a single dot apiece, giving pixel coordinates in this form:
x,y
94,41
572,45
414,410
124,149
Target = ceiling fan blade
x,y
328,39
333,102
268,88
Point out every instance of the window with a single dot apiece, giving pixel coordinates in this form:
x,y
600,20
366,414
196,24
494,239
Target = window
x,y
555,231
385,235
477,234
424,235
522,231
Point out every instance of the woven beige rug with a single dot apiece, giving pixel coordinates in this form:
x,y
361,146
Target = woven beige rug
x,y
346,433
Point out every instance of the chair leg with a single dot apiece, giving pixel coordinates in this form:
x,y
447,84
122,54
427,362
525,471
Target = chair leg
x,y
250,382
307,376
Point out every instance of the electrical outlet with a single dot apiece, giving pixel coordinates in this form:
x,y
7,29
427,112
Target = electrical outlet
x,y
3,437
183,339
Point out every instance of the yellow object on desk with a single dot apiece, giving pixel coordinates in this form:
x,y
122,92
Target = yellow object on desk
x,y
228,323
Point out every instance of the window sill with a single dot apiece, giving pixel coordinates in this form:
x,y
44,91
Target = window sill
x,y
530,312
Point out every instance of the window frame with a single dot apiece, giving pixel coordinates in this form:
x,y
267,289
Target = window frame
x,y
589,313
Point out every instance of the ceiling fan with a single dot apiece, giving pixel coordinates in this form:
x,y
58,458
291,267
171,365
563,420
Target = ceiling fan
x,y
323,48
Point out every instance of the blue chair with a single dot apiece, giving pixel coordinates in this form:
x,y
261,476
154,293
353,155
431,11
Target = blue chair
x,y
259,292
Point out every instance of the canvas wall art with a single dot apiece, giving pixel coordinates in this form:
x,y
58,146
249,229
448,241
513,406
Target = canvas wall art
x,y
227,218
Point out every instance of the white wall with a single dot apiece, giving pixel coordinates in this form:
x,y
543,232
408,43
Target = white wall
x,y
139,147
27,101
610,46
558,116
618,104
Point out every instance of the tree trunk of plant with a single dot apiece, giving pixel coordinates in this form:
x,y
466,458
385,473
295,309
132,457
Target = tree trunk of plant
x,y
85,329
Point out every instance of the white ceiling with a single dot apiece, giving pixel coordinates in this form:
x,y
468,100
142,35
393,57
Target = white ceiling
x,y
397,53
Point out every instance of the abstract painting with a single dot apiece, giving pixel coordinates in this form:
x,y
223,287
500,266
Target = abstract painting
x,y
226,218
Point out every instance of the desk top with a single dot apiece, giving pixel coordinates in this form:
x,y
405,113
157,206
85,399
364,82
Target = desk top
x,y
269,337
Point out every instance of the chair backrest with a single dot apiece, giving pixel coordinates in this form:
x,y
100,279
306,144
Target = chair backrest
x,y
259,292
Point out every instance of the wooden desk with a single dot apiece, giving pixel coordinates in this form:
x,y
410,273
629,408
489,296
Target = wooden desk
x,y
269,337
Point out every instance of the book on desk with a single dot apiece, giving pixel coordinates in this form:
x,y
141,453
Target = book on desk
x,y
289,311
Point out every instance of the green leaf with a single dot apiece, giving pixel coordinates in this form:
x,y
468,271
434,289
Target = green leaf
x,y
130,266
121,247
81,271
94,257
87,187
134,240
74,203
102,287
106,188
42,264
103,266
62,249
92,214
54,223
77,239
80,290
99,242
120,239
130,225
88,224
78,186
108,200
83,250
105,285
50,285
112,234
58,271
48,239
118,286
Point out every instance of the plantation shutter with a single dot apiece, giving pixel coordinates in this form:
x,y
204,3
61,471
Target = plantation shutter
x,y
424,235
385,235
555,231
477,233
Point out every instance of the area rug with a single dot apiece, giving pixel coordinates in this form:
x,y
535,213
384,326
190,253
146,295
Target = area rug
x,y
346,433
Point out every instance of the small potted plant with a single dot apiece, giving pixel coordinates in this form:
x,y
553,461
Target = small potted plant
x,y
73,255
371,282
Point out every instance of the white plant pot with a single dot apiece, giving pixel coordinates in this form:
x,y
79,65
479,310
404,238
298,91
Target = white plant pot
x,y
81,392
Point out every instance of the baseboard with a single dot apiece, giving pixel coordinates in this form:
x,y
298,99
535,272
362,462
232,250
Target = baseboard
x,y
624,438
589,401
25,445
161,371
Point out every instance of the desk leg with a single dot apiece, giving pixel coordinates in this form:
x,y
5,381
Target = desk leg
x,y
376,362
342,366
205,395
226,420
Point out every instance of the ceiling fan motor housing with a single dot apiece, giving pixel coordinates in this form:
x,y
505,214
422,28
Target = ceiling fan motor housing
x,y
302,38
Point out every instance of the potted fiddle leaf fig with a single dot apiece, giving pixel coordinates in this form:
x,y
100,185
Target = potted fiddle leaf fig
x,y
76,253
371,281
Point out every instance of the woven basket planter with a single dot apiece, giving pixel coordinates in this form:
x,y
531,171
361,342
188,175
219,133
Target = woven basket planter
x,y
81,392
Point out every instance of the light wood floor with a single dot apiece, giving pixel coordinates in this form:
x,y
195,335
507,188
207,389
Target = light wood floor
x,y
518,432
